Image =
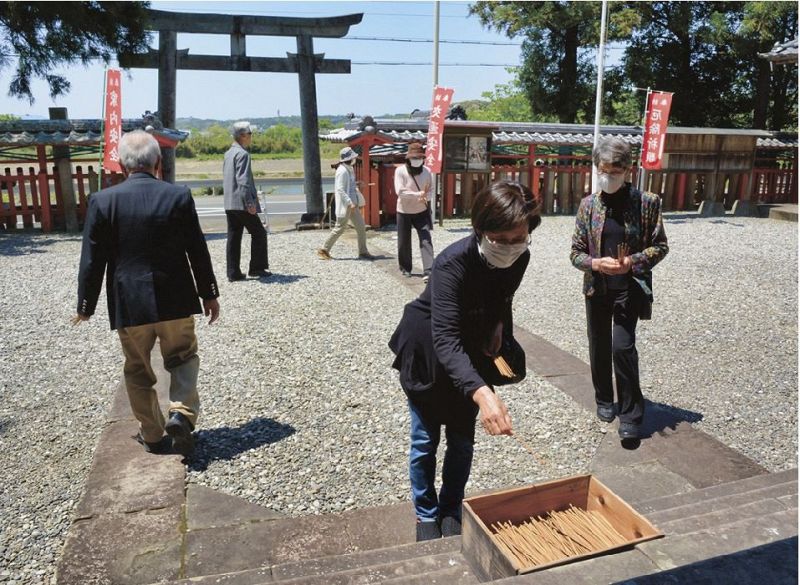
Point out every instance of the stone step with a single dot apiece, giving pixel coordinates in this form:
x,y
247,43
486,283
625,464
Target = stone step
x,y
758,549
717,491
413,570
456,575
723,503
310,569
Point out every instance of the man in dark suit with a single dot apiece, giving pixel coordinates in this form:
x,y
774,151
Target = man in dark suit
x,y
145,234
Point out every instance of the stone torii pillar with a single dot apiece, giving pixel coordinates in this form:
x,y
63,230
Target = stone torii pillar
x,y
168,60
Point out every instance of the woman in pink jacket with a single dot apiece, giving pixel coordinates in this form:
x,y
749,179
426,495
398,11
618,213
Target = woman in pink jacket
x,y
413,183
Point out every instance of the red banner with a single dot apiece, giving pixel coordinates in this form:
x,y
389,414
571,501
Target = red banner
x,y
442,97
655,130
113,121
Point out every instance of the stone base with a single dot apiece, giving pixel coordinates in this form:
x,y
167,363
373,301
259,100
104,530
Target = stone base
x,y
711,209
745,208
310,221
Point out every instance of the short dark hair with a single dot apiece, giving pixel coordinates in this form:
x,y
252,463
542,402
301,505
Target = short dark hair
x,y
504,205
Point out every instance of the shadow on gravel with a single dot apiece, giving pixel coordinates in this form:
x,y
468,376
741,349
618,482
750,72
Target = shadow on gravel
x,y
280,278
5,423
23,243
659,416
224,443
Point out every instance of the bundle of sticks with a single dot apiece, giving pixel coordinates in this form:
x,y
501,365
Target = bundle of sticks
x,y
556,536
622,251
502,366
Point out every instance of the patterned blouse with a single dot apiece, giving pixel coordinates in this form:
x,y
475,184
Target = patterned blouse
x,y
644,234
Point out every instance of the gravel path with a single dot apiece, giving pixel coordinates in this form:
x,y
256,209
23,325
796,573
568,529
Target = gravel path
x,y
301,411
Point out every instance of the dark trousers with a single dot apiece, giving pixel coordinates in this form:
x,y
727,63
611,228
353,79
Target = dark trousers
x,y
611,324
238,221
422,223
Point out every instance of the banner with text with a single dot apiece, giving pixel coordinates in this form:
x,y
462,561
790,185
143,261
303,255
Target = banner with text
x,y
655,130
113,121
442,97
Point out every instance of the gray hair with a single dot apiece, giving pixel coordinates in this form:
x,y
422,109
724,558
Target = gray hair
x,y
612,151
240,128
138,150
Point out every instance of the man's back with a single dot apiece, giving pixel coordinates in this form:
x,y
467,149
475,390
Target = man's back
x,y
148,233
238,186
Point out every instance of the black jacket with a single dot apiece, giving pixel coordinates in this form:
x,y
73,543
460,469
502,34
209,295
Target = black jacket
x,y
441,337
144,234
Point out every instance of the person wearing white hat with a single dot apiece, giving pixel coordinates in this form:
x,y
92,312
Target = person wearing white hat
x,y
349,200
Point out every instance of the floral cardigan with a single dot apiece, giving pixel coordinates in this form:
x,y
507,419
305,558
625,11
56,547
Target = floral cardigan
x,y
644,234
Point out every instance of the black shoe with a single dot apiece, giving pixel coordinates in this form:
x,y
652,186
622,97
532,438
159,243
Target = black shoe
x,y
605,413
161,447
628,430
259,273
236,277
405,273
428,531
451,526
180,429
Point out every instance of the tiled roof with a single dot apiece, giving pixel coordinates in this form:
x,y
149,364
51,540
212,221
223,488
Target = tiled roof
x,y
782,52
76,132
504,133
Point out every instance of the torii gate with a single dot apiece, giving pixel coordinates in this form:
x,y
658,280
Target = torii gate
x,y
168,59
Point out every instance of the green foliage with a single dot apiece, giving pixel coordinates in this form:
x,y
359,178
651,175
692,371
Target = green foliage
x,y
507,103
704,52
45,35
275,142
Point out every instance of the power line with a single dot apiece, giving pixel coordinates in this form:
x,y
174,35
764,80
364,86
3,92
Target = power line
x,y
428,64
401,40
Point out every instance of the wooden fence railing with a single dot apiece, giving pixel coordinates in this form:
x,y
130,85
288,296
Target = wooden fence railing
x,y
32,196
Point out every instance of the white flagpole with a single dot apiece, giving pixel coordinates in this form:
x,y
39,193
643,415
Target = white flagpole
x,y
598,102
435,83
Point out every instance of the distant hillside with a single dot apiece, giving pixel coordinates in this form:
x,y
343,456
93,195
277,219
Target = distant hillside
x,y
201,124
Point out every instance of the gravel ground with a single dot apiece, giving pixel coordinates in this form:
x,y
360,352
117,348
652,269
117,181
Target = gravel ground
x,y
301,411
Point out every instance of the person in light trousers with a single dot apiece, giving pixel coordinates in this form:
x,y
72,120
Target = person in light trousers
x,y
412,184
349,202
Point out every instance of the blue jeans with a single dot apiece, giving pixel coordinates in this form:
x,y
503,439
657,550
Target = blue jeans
x,y
425,435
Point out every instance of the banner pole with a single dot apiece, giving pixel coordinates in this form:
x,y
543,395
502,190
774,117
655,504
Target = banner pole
x,y
640,174
102,131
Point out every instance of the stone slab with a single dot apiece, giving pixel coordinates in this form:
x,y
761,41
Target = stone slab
x,y
700,458
605,569
633,483
125,478
705,506
547,360
699,522
123,549
456,575
238,548
745,208
789,501
420,567
678,550
710,208
785,212
755,482
208,508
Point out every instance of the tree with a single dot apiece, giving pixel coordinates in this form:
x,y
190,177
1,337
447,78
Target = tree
x,y
507,103
44,35
558,50
706,53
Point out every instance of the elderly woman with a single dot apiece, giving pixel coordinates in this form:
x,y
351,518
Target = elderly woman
x,y
412,184
446,343
619,237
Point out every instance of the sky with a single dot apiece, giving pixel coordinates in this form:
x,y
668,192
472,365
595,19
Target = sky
x,y
369,88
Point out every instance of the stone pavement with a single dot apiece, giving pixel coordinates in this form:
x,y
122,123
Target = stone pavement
x,y
139,523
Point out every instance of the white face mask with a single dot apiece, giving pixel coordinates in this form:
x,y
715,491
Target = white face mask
x,y
610,183
416,162
502,255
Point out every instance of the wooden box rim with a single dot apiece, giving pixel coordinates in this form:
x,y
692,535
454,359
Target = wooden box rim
x,y
591,480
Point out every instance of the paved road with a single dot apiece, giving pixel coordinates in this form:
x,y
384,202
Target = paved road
x,y
283,211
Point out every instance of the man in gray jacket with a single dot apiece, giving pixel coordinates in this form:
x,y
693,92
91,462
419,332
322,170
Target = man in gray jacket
x,y
242,208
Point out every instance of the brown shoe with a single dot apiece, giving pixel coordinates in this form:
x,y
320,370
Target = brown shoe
x,y
324,254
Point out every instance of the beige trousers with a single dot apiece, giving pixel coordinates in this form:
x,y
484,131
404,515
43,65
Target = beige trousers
x,y
353,216
179,351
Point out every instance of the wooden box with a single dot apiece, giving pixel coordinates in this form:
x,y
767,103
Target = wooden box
x,y
490,560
